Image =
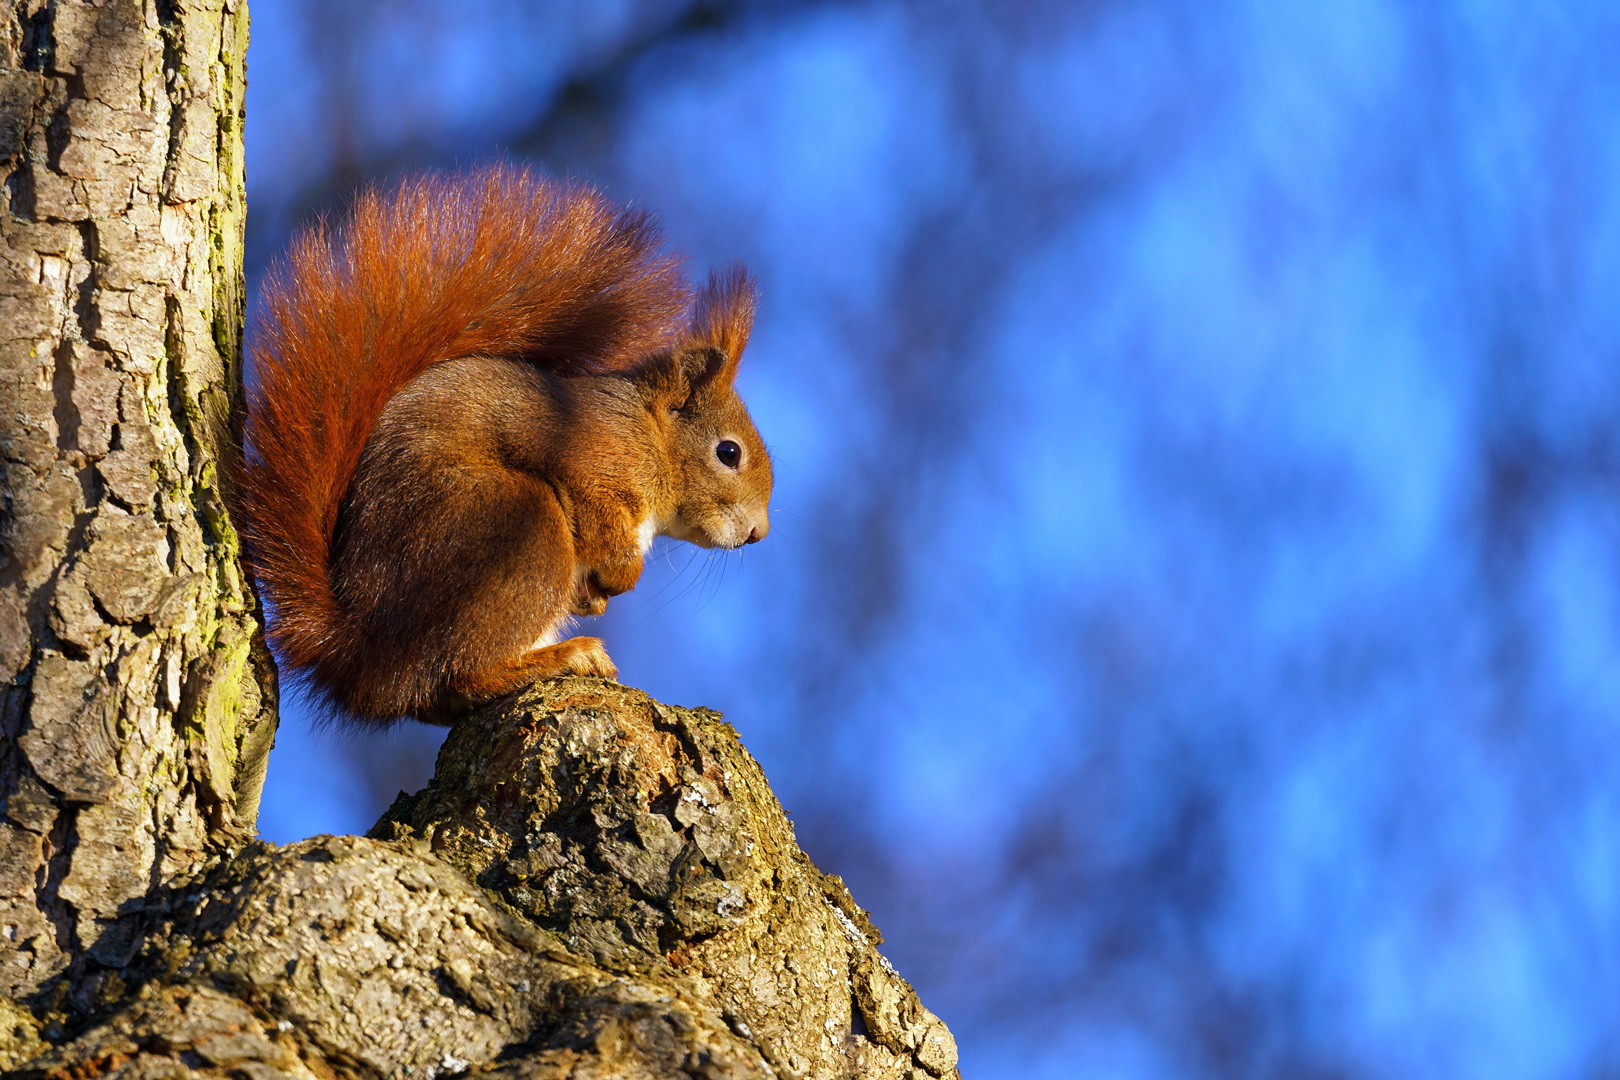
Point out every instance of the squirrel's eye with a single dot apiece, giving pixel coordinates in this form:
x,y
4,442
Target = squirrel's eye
x,y
729,453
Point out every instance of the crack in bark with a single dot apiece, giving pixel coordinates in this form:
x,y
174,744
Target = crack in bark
x,y
59,843
173,342
66,412
172,29
86,310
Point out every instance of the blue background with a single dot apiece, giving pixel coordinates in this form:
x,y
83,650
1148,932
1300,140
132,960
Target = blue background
x,y
1192,617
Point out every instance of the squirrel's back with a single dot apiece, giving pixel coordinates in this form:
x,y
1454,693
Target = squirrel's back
x,y
500,262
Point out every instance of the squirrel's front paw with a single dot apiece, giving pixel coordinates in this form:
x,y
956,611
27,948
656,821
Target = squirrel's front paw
x,y
584,656
576,656
613,578
589,596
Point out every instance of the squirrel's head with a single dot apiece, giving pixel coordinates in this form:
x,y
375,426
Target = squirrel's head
x,y
722,472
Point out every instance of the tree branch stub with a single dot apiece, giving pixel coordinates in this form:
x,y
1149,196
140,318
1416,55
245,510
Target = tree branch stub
x,y
594,884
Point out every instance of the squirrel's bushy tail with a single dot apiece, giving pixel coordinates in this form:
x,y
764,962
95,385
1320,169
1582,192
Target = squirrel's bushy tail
x,y
498,262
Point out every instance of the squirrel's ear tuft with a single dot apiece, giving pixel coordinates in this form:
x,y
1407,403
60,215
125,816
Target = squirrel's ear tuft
x,y
723,317
709,351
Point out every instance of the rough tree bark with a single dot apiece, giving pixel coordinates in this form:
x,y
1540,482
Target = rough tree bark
x,y
136,714
593,885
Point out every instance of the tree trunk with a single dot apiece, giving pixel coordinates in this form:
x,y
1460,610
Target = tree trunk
x,y
138,708
593,885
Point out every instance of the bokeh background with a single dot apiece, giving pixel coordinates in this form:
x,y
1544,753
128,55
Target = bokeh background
x,y
1192,616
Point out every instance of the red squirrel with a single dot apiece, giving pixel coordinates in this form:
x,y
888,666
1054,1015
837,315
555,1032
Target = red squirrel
x,y
474,403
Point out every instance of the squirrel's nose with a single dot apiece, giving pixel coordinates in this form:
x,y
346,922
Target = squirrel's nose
x,y
754,536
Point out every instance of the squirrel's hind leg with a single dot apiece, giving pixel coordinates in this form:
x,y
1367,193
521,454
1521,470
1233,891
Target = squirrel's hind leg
x,y
506,584
575,656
